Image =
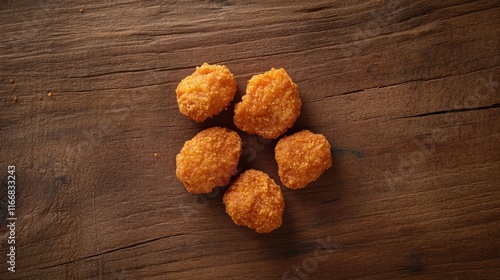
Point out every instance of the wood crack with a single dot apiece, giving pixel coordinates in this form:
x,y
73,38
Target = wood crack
x,y
401,83
109,251
496,105
131,71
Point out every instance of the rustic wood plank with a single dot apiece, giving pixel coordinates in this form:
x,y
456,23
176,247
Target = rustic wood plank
x,y
407,92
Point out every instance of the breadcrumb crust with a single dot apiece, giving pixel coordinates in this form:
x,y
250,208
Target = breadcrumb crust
x,y
255,200
207,92
270,106
302,158
209,159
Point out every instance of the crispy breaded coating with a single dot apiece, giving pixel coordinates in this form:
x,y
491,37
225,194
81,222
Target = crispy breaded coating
x,y
270,106
302,158
255,200
209,159
206,92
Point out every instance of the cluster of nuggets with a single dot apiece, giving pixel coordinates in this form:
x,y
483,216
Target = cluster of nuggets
x,y
269,108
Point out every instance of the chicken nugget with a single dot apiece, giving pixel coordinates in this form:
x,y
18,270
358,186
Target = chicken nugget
x,y
270,106
255,200
209,159
302,158
206,92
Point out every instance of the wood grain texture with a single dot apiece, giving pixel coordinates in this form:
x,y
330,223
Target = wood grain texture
x,y
407,92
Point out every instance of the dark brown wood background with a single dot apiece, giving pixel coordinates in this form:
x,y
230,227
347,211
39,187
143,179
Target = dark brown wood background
x,y
407,92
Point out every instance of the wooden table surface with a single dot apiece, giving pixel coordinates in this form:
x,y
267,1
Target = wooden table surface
x,y
407,92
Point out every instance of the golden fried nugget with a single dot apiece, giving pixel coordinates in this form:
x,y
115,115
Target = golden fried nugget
x,y
302,158
270,106
205,93
209,159
255,200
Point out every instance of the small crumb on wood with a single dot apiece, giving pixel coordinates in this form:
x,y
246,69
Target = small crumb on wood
x,y
40,97
11,81
50,94
155,154
74,84
82,10
14,98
